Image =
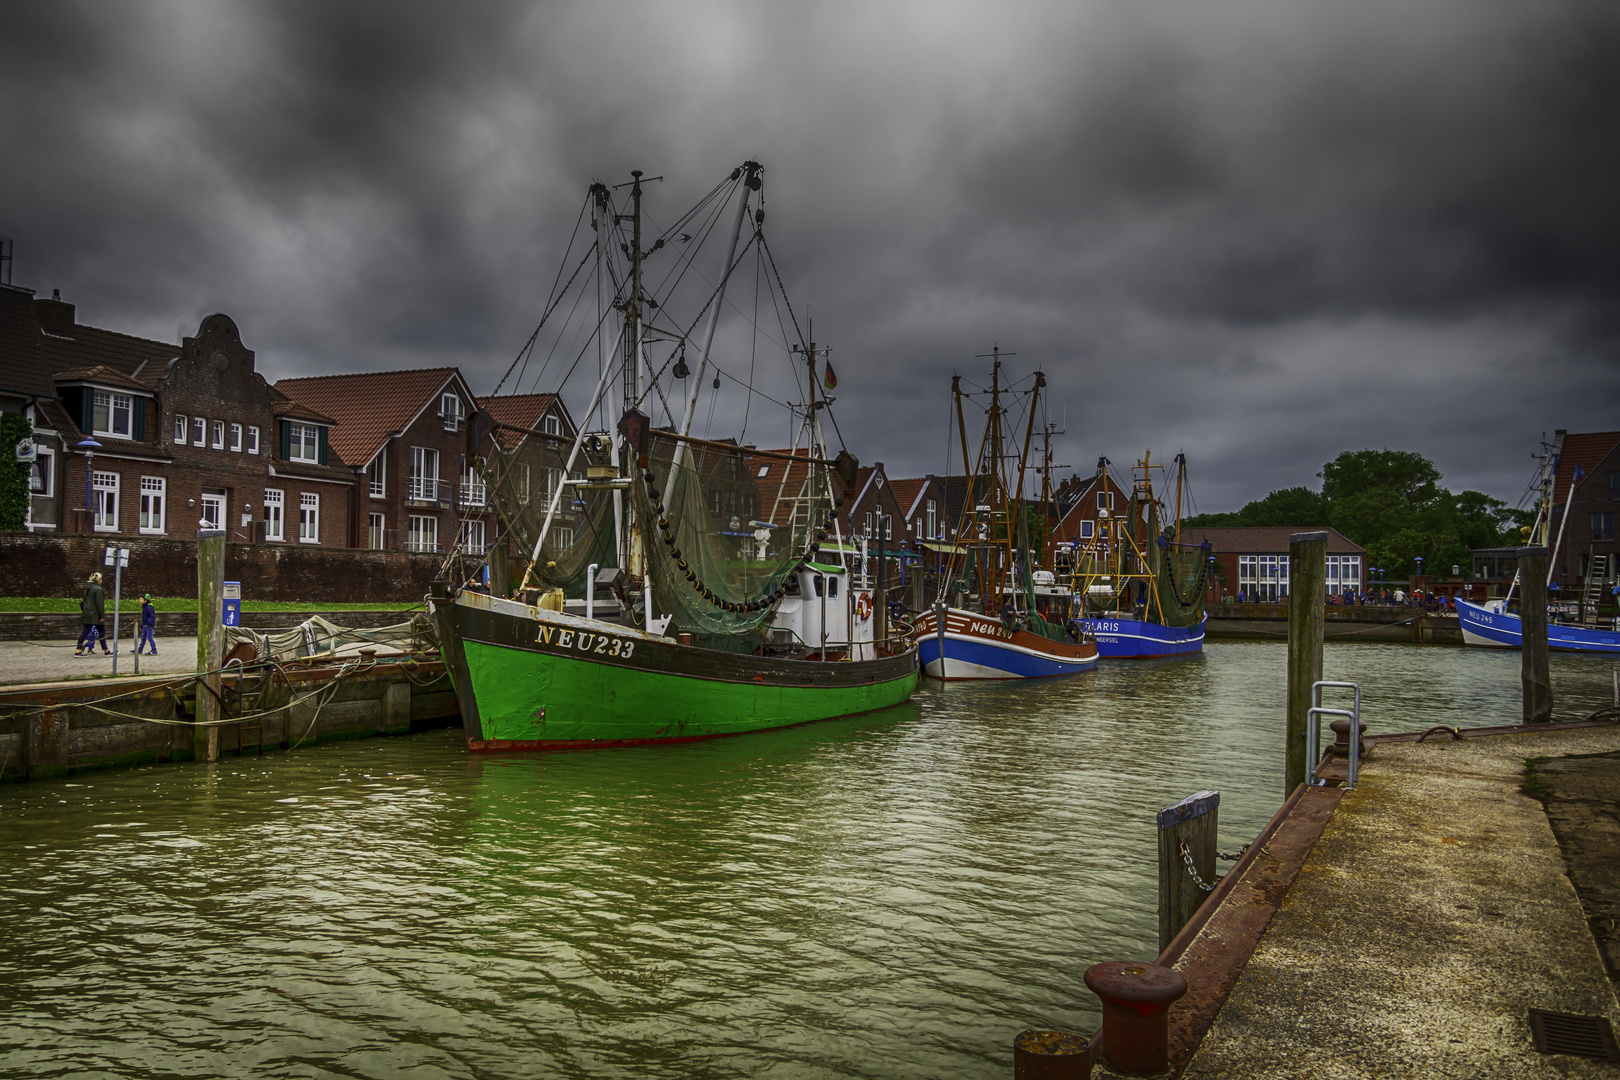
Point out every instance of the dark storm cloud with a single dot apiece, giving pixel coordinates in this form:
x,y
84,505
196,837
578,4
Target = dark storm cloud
x,y
1261,233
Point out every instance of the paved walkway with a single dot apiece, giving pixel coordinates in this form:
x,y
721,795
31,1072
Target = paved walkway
x,y
1433,913
47,661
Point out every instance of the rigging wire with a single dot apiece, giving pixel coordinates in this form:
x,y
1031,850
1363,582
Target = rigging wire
x,y
551,300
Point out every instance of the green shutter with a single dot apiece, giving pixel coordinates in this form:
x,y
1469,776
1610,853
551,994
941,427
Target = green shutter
x,y
321,452
286,440
137,424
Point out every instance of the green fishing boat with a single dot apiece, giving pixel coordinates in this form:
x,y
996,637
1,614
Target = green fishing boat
x,y
665,596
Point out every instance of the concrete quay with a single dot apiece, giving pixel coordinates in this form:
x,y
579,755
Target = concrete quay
x,y
1353,623
1407,927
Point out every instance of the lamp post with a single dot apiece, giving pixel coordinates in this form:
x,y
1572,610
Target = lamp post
x,y
89,445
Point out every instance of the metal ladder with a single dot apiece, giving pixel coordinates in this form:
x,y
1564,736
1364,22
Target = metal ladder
x,y
246,697
1313,732
1597,575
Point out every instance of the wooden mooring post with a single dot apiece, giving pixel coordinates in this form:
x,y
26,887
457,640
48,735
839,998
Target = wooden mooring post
x,y
210,637
1307,621
500,581
1190,824
1538,698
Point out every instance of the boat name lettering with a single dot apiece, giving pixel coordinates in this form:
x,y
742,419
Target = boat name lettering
x,y
586,642
1105,627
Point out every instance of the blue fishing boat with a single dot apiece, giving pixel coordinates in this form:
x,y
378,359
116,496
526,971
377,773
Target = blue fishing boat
x,y
1136,639
1492,626
984,647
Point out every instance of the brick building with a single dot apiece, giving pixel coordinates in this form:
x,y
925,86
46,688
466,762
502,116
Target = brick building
x,y
1080,504
1253,562
27,390
404,434
148,438
1588,482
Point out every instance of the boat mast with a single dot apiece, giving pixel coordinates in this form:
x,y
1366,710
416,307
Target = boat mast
x,y
633,389
604,303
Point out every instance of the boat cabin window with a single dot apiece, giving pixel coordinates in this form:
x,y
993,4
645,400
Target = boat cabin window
x,y
790,587
832,587
815,579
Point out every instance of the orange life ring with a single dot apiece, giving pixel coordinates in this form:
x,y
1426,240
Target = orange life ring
x,y
863,606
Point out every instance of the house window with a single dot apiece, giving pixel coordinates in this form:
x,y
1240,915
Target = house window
x,y
424,474
561,538
41,474
309,519
869,531
472,537
888,526
551,425
104,501
1105,500
273,503
213,511
765,470
179,430
377,473
553,480
472,488
450,412
930,520
153,490
424,534
1614,485
253,439
111,414
303,443
219,434
199,431
375,532
236,437
1263,577
1603,526
1088,529
523,484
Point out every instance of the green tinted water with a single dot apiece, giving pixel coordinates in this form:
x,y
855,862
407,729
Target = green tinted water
x,y
895,895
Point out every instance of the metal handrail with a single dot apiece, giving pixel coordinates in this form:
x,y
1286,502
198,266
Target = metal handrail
x,y
1313,732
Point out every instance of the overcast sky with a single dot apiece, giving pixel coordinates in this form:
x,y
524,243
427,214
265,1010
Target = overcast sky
x,y
1259,233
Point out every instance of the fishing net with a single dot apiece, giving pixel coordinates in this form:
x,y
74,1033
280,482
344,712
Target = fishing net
x,y
523,472
716,567
1182,576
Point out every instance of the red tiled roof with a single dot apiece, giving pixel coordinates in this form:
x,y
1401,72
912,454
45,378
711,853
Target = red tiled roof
x,y
1262,540
367,407
286,406
91,346
519,410
786,478
906,491
102,375
1585,449
23,370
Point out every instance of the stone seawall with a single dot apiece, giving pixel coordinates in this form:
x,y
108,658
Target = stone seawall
x,y
52,564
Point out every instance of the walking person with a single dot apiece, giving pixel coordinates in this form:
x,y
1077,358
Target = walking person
x,y
93,614
148,625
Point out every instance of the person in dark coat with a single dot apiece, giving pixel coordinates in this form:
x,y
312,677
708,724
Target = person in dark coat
x,y
148,625
93,613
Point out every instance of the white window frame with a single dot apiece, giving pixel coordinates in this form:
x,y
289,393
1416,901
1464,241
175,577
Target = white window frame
x,y
1088,528
523,484
102,485
423,535
450,411
551,424
219,501
44,466
275,514
112,401
931,519
1105,500
182,428
764,471
309,518
296,442
473,492
236,438
377,474
560,537
376,532
472,536
424,480
199,431
219,435
253,438
153,505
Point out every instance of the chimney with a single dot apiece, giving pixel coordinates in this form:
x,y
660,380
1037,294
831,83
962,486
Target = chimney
x,y
55,317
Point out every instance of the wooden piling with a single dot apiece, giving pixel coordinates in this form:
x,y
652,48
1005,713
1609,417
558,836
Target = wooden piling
x,y
1307,619
500,581
1533,640
210,636
1194,822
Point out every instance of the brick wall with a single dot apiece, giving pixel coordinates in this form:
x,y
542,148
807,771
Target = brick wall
x,y
43,564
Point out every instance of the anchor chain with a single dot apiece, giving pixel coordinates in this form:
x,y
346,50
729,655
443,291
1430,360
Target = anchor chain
x,y
1186,857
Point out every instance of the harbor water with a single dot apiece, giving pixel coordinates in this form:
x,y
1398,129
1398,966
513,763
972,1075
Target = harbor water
x,y
894,895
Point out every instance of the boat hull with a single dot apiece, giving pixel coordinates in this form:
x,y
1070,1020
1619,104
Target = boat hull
x,y
1499,630
1134,639
979,647
535,679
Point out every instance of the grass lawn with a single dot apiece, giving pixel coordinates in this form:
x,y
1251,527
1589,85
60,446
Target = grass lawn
x,y
65,606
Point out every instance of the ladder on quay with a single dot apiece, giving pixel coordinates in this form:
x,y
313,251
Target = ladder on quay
x,y
1597,576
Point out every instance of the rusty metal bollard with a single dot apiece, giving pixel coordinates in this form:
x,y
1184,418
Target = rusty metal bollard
x,y
1136,1013
1341,738
1051,1055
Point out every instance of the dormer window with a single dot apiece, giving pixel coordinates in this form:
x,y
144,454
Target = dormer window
x,y
303,443
450,412
551,425
112,414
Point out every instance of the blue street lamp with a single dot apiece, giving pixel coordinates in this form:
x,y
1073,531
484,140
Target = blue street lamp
x,y
89,446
